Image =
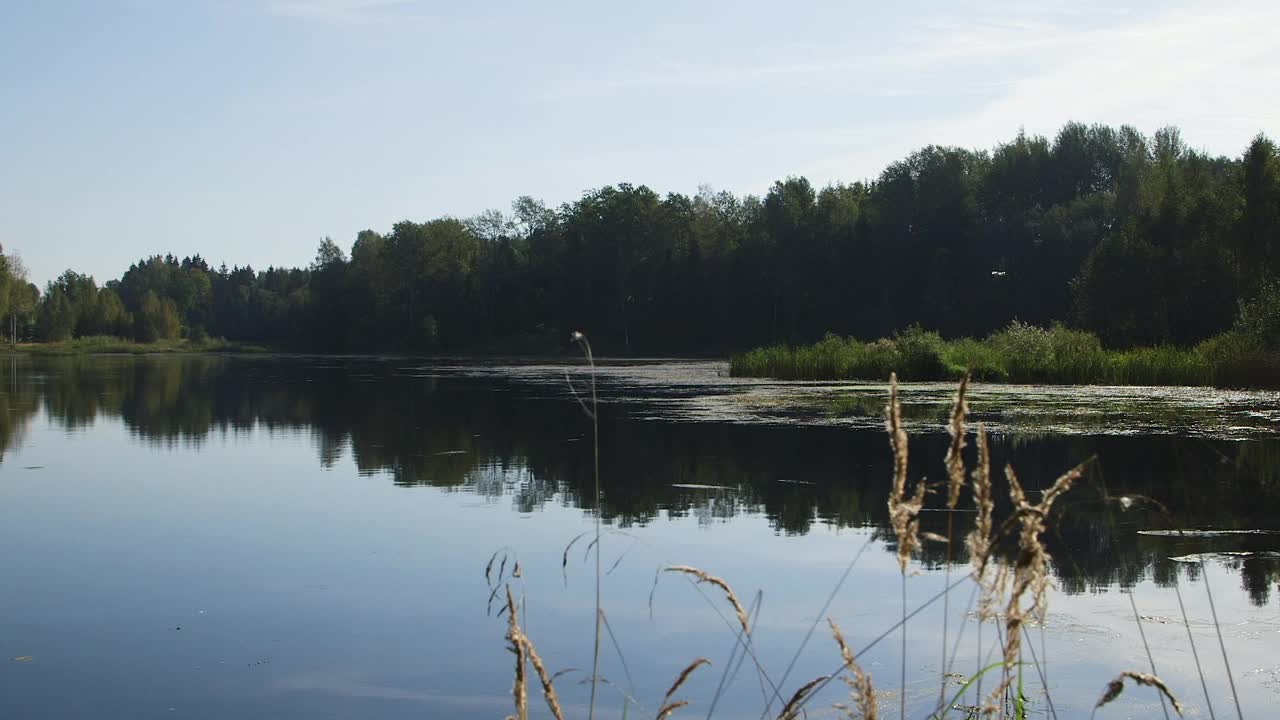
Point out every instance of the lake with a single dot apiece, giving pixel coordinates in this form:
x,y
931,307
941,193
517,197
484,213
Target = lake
x,y
308,537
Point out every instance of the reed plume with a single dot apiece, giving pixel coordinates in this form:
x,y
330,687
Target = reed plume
x,y
1116,686
903,511
979,540
519,691
792,708
705,577
955,483
668,705
524,651
904,516
955,458
1030,570
860,690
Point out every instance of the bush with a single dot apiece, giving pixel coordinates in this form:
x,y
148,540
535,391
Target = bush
x,y
919,355
1025,350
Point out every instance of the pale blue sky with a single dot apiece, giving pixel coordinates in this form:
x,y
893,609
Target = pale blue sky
x,y
246,130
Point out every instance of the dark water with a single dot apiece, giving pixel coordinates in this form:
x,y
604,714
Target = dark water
x,y
274,537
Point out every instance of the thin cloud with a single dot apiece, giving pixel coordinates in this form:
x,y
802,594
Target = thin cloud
x,y
343,12
1200,70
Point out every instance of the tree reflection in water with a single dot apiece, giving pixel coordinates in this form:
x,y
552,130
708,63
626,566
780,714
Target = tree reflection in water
x,y
499,437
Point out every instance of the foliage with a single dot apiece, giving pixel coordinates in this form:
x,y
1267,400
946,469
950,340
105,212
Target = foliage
x,y
1259,318
157,318
1140,241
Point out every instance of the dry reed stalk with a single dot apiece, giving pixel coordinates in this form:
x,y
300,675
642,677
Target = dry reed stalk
x,y
518,692
904,515
955,483
1030,571
903,512
668,705
979,540
548,689
666,710
955,458
793,705
1116,686
706,577
524,651
864,696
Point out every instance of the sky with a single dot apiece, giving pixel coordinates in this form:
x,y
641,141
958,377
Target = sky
x,y
247,130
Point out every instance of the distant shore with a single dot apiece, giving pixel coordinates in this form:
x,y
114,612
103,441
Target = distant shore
x,y
118,346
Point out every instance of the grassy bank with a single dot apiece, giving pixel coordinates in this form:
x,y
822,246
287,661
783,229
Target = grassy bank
x,y
103,344
1020,353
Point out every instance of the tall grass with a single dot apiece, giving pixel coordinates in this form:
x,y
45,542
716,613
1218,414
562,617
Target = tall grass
x,y
1019,353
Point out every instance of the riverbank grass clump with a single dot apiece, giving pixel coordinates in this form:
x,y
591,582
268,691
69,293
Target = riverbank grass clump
x,y
1018,353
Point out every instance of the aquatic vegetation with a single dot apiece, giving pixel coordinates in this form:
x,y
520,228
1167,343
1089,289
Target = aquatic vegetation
x,y
1018,353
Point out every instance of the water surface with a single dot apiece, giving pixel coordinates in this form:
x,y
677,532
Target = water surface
x,y
293,537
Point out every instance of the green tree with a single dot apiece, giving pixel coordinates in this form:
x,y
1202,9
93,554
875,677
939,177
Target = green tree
x,y
1259,229
157,318
1118,295
109,316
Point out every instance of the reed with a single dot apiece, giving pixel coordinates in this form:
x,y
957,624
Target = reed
x,y
792,709
705,577
1116,686
668,705
860,689
1014,592
1018,353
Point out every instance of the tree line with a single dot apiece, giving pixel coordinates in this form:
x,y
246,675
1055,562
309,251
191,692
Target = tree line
x,y
1139,240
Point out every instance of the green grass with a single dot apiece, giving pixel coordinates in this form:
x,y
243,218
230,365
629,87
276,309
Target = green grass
x,y
105,344
1019,353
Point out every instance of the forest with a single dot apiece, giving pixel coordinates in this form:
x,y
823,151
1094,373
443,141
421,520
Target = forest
x,y
1138,240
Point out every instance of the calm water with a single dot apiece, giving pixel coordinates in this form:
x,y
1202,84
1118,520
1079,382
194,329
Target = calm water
x,y
276,537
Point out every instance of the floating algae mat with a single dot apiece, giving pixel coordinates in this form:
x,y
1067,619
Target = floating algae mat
x,y
1205,533
702,391
1228,555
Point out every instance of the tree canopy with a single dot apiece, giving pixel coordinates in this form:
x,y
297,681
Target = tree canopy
x,y
1140,240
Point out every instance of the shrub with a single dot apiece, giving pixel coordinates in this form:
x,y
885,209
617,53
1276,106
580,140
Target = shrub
x,y
1026,351
919,355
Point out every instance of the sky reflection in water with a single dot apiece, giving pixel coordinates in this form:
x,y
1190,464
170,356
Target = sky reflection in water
x,y
318,530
